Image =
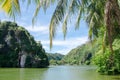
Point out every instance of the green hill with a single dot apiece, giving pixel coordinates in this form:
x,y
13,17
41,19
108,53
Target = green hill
x,y
19,49
80,55
55,58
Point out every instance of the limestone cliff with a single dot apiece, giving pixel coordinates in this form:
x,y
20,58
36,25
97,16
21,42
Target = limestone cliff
x,y
19,49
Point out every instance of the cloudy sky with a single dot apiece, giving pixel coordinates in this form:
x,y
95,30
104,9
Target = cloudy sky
x,y
40,31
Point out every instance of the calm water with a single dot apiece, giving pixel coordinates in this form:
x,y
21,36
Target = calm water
x,y
54,73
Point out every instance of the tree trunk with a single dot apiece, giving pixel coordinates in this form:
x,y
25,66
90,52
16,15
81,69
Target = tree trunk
x,y
116,10
109,25
104,41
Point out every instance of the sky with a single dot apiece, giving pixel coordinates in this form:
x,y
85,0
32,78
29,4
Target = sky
x,y
40,31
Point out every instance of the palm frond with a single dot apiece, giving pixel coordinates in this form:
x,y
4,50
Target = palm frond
x,y
78,20
36,12
29,2
57,17
41,4
11,7
69,8
72,8
6,6
64,26
1,1
95,19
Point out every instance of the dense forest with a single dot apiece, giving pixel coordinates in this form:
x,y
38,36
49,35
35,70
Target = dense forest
x,y
80,55
19,49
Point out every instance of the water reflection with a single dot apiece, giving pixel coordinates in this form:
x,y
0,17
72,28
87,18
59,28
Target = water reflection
x,y
31,73
54,73
76,73
22,74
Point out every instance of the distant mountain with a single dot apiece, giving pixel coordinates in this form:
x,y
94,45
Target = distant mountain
x,y
55,58
19,49
80,55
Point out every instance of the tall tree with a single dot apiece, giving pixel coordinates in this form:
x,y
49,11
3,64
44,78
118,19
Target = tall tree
x,y
112,17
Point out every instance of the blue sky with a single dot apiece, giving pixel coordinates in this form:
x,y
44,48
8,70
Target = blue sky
x,y
40,31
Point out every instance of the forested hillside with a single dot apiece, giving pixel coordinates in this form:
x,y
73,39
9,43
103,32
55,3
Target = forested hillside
x,y
80,55
55,58
19,49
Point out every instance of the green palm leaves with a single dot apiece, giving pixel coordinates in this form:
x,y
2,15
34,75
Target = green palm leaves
x,y
62,14
58,16
11,7
93,11
40,4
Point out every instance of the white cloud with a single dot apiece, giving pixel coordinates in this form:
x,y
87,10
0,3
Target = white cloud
x,y
64,51
66,45
70,41
46,47
41,29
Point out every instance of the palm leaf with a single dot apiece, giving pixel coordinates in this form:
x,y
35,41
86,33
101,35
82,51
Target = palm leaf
x,y
40,4
71,10
36,13
57,16
78,19
64,26
11,7
62,15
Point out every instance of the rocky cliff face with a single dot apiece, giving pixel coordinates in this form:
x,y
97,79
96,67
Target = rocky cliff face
x,y
19,49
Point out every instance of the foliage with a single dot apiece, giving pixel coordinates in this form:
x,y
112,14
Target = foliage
x,y
80,54
53,62
12,8
56,62
103,60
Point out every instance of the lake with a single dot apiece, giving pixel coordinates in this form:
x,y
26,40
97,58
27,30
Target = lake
x,y
54,73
